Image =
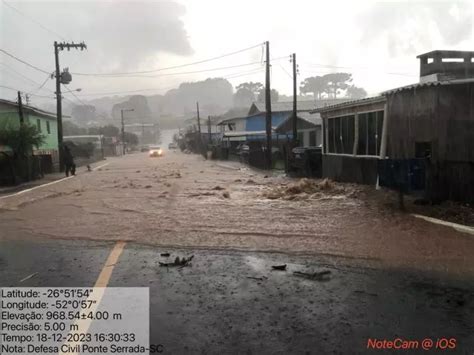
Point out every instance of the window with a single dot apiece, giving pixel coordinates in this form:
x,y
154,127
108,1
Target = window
x,y
38,125
331,144
370,133
341,135
312,138
48,127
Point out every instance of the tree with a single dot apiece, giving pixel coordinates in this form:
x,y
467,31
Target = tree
x,y
243,98
337,82
355,92
274,95
21,140
250,86
316,85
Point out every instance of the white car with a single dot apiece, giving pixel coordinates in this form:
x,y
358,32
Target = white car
x,y
155,151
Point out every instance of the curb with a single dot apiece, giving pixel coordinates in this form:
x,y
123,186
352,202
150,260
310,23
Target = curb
x,y
459,227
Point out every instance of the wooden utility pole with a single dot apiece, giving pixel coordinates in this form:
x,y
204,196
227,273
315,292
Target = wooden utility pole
x,y
59,114
295,111
209,133
123,133
20,109
268,107
199,126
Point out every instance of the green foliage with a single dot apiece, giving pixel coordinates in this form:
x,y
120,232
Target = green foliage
x,y
21,139
337,82
250,86
331,85
317,85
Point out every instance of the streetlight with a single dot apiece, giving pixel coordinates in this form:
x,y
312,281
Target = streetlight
x,y
123,126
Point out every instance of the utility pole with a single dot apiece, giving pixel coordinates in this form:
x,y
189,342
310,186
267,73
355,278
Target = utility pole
x,y
20,109
295,111
209,134
122,110
123,133
199,125
268,107
59,81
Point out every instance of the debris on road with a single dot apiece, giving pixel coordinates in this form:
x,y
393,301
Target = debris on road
x,y
226,194
165,255
179,262
306,187
29,277
218,188
316,276
262,278
279,267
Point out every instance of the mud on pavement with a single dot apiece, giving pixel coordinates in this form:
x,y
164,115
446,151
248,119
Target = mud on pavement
x,y
355,268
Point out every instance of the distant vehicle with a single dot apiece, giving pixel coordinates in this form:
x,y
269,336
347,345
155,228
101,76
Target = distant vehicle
x,y
144,148
155,151
172,145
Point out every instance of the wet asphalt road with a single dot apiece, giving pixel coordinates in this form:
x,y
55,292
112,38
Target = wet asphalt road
x,y
232,303
229,301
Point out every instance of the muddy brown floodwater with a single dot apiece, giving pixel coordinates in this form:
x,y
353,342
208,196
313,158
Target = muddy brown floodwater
x,y
182,200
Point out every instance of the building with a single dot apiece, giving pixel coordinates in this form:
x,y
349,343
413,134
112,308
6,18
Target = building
x,y
420,136
253,125
308,127
446,65
46,123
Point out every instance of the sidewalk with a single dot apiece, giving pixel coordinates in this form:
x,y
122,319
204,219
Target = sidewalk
x,y
48,178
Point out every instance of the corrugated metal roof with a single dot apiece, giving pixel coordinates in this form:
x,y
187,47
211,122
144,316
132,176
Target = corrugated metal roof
x,y
429,83
229,120
286,106
244,133
359,102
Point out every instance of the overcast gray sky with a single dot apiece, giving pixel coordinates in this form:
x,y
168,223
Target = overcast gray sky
x,y
376,41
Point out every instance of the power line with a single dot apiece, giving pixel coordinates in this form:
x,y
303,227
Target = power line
x,y
73,94
173,67
237,75
184,73
230,76
33,20
356,68
13,89
22,61
43,84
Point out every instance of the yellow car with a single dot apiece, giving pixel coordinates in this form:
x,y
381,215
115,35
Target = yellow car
x,y
155,152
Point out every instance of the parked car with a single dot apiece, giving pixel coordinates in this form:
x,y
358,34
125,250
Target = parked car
x,y
155,151
172,145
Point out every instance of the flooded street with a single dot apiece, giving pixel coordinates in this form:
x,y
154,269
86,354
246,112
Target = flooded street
x,y
182,200
353,269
